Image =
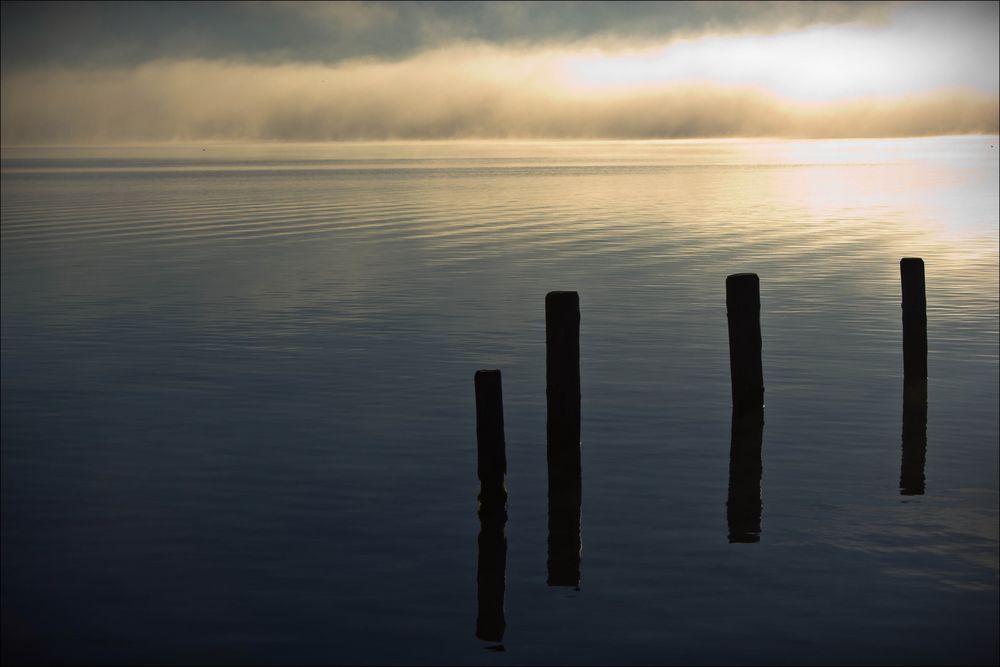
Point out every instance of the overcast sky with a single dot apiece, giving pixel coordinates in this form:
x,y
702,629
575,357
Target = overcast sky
x,y
82,72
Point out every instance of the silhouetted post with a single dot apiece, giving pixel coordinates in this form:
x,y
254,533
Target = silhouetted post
x,y
911,272
492,459
911,469
745,368
562,382
744,505
491,576
562,389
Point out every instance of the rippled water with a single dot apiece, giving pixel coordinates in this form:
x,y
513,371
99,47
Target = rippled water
x,y
238,421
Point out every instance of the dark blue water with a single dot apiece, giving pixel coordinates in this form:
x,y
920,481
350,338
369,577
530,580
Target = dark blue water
x,y
238,420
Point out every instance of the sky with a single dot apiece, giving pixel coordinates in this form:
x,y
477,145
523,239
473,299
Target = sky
x,y
134,72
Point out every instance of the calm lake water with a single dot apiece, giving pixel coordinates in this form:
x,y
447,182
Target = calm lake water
x,y
238,419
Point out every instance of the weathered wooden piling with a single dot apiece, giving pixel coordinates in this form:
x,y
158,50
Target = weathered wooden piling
x,y
492,455
562,382
914,455
911,273
745,367
562,390
744,505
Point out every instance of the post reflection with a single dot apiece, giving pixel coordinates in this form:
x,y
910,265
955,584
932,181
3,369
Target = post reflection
x,y
565,499
491,574
743,505
911,470
565,495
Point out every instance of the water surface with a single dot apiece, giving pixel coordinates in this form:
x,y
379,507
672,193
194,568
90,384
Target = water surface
x,y
238,418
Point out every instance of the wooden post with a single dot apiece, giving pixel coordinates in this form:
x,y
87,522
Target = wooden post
x,y
492,459
745,368
562,389
562,382
911,272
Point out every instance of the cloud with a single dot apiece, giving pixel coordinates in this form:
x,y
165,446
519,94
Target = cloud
x,y
369,71
131,33
457,92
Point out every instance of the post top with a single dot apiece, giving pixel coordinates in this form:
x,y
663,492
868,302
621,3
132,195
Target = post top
x,y
742,277
742,291
564,299
911,260
487,372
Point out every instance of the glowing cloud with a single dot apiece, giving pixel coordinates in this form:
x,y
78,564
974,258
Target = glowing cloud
x,y
927,51
929,71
